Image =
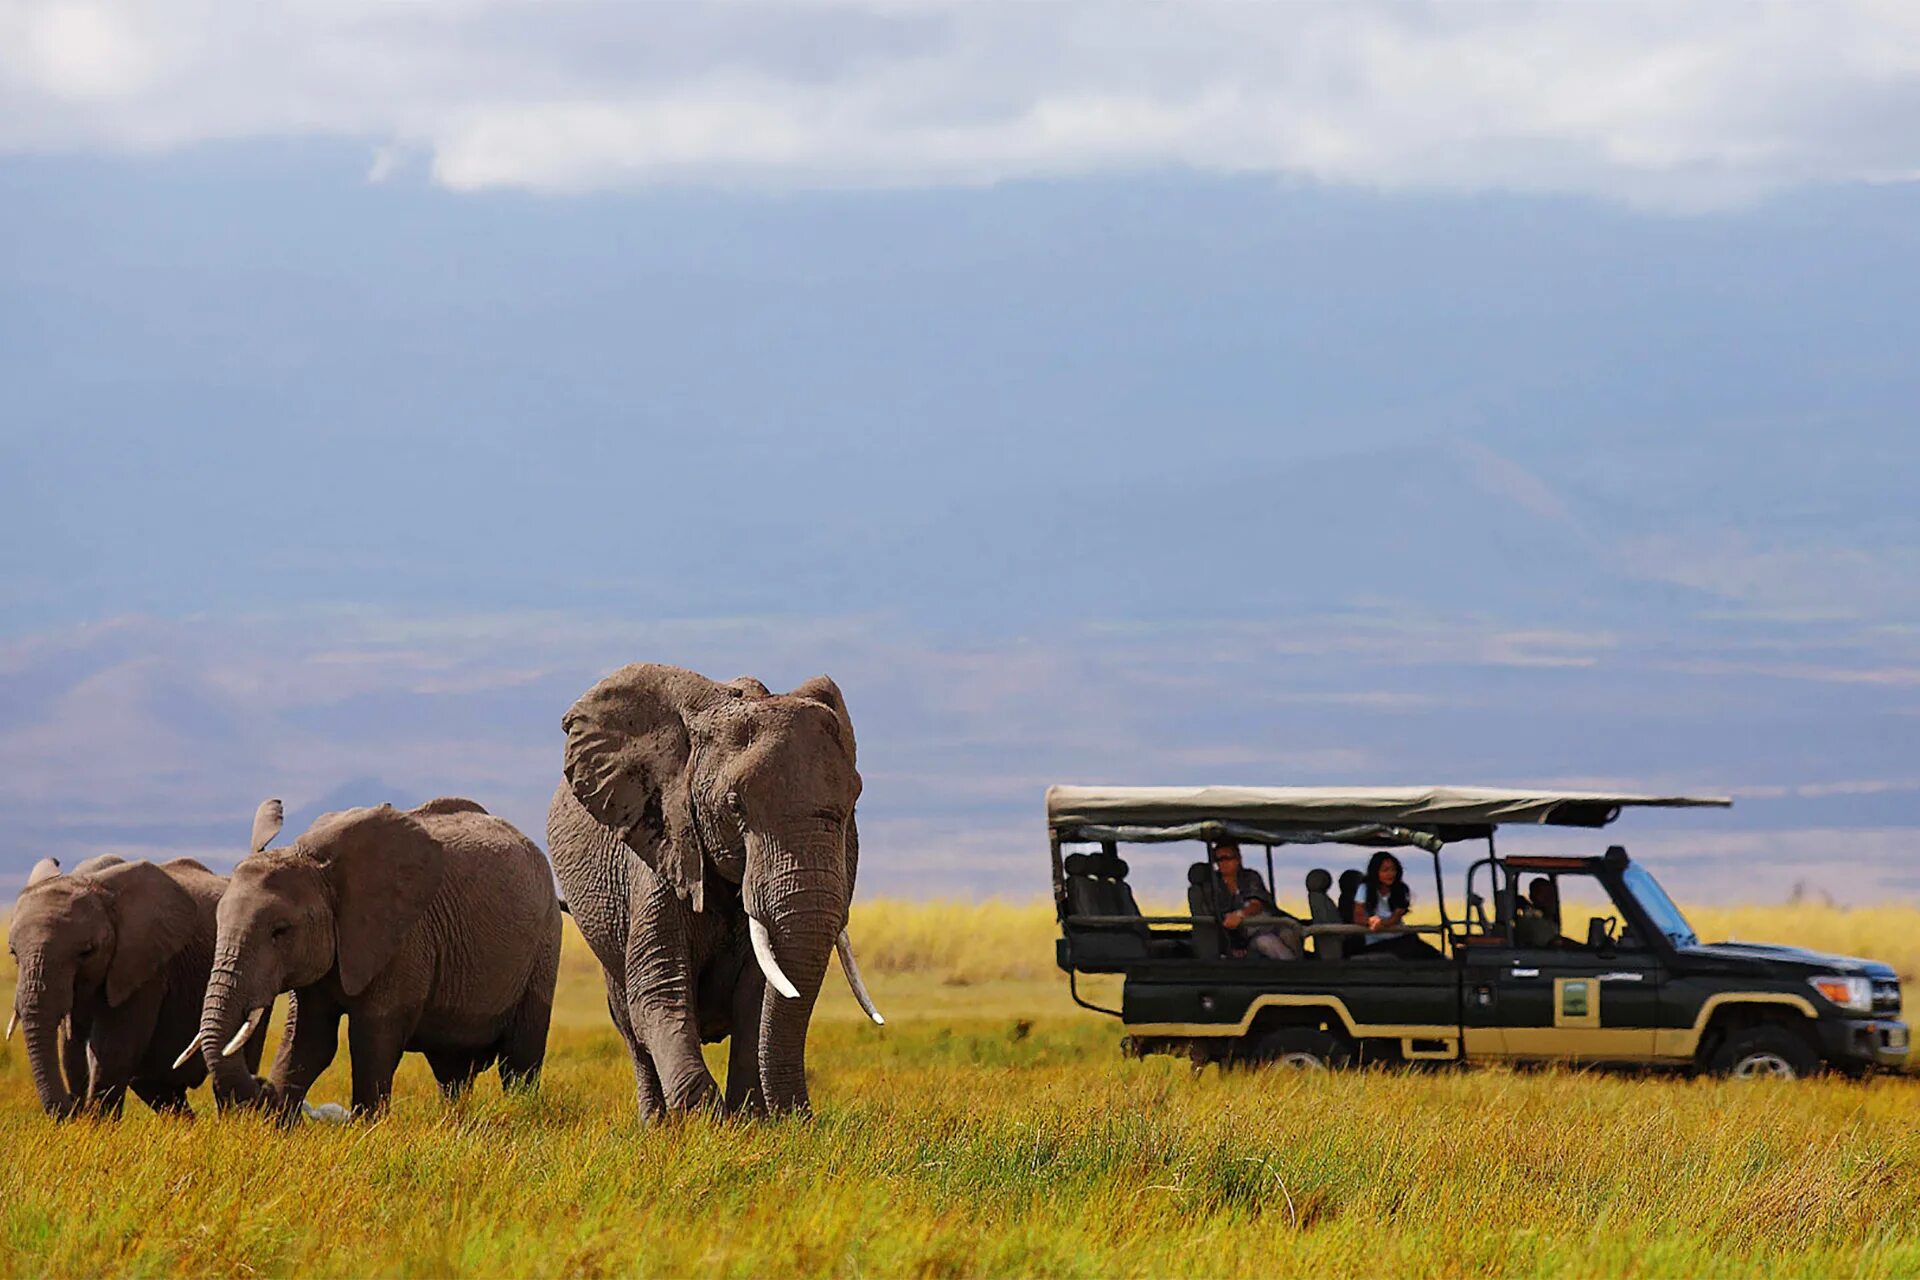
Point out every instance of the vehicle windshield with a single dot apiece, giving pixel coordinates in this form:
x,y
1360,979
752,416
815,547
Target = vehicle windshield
x,y
1655,902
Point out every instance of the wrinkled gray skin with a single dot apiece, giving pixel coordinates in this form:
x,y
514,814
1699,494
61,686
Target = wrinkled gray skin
x,y
120,951
688,806
435,930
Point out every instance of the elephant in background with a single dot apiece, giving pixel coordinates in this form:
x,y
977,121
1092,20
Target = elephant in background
x,y
117,953
434,930
705,838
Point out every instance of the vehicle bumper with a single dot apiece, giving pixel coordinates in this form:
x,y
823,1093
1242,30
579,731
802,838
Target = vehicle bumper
x,y
1866,1042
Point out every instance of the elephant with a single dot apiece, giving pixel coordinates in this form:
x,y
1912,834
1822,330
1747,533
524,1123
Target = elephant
x,y
433,930
704,836
117,953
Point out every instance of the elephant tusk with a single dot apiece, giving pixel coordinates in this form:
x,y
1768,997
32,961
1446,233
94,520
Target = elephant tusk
x,y
763,952
844,945
241,1036
13,1020
187,1054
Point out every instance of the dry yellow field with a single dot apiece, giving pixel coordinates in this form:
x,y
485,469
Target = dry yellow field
x,y
992,1128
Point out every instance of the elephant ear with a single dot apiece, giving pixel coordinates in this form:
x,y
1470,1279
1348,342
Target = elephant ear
x,y
384,868
98,862
823,690
266,824
45,869
153,918
628,761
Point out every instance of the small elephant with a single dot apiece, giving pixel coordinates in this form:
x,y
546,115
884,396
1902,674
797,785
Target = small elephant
x,y
116,953
705,837
435,930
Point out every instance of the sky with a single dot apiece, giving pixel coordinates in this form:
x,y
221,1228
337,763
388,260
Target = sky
x,y
1115,393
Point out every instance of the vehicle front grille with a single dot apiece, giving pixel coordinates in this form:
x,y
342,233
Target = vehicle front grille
x,y
1886,995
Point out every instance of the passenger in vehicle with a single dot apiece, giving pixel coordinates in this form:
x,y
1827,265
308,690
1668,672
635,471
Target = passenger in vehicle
x,y
1384,902
1239,894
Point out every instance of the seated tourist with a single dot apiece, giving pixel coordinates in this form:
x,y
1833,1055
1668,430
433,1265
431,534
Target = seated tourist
x,y
1382,907
1240,895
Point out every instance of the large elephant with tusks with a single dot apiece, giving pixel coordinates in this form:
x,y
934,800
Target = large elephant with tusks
x,y
705,838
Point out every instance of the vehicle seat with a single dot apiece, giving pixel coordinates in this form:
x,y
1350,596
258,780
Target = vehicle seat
x,y
1209,939
1097,886
1321,910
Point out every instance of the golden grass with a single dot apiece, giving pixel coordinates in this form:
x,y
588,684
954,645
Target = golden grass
x,y
992,1128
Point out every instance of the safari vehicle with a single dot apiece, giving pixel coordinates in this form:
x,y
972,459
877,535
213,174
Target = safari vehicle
x,y
1500,982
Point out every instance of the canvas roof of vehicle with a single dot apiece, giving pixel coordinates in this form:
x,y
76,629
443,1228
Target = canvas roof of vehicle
x,y
1357,815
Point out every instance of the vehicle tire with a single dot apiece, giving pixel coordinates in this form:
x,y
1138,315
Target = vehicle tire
x,y
1768,1051
1297,1048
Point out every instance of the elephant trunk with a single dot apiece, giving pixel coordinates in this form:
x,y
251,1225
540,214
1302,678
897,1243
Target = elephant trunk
x,y
43,1007
801,901
222,1015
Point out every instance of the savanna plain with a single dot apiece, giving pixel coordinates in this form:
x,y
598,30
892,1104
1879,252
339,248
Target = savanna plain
x,y
991,1128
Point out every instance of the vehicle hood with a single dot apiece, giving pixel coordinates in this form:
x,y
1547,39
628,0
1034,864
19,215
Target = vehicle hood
x,y
1764,953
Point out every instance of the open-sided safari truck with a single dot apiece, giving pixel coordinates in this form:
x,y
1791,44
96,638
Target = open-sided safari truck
x,y
1499,982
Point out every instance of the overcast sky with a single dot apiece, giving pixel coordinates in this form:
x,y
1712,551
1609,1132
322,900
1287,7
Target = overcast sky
x,y
1102,393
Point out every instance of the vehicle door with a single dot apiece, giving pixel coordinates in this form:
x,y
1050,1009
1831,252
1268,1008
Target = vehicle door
x,y
1558,988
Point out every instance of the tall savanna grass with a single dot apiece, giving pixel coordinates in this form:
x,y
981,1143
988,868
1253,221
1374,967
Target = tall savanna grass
x,y
991,1128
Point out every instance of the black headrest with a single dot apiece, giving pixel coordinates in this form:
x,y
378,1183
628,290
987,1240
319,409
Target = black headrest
x,y
1351,879
1199,873
1319,880
1105,866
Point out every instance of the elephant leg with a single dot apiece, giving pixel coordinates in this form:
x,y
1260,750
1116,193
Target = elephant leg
x,y
743,1046
660,992
653,1104
107,1092
454,1069
116,1042
524,1049
165,1099
307,1047
376,1044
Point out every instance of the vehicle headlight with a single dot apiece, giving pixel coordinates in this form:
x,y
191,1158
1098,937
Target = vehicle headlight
x,y
1855,994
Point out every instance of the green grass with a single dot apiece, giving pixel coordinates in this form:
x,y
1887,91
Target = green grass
x,y
991,1128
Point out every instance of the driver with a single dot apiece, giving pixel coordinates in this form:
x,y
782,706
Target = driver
x,y
1239,894
1537,922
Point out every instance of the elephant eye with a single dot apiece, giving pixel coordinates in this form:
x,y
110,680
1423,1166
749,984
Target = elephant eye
x,y
280,930
733,801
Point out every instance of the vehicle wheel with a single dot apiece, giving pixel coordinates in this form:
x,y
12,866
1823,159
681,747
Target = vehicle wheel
x,y
1298,1048
1764,1052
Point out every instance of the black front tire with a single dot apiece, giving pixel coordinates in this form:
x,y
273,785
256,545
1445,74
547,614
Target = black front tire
x,y
1764,1052
1299,1048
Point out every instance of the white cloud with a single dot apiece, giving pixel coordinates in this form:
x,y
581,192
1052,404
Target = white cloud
x,y
79,52
1681,106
